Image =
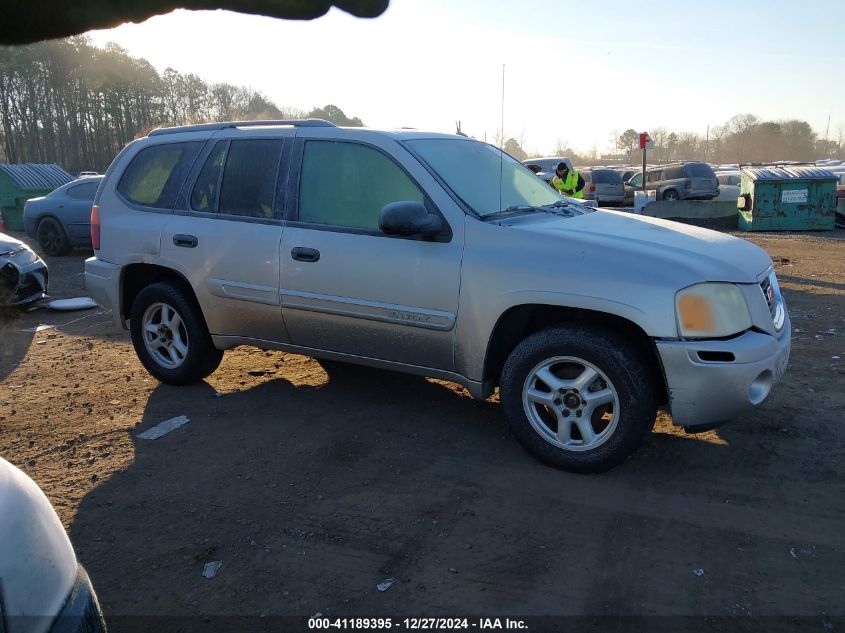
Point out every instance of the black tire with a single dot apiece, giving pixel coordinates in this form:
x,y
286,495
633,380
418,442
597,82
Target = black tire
x,y
629,379
52,238
671,195
201,357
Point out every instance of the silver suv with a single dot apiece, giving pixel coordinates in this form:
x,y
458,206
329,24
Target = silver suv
x,y
436,255
687,181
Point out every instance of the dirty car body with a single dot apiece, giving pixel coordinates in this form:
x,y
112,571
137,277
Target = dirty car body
x,y
23,274
43,588
443,257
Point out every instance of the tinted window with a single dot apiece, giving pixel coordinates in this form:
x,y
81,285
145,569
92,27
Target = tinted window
x,y
654,176
347,184
673,173
83,192
249,178
636,181
204,194
155,175
699,170
607,177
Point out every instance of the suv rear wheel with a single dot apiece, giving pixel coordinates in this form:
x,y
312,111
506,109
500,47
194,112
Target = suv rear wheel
x,y
578,398
170,335
670,194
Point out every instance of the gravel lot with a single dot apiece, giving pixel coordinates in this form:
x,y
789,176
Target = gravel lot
x,y
314,487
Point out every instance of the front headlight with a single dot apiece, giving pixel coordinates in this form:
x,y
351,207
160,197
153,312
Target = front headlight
x,y
711,310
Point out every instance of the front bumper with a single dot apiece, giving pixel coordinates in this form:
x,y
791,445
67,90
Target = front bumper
x,y
20,285
102,280
705,388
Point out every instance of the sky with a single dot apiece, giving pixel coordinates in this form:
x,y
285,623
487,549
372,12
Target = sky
x,y
574,73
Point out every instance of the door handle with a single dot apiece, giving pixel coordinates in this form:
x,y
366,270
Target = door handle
x,y
303,254
185,241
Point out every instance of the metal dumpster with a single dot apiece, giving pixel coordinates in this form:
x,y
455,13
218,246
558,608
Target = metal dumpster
x,y
789,198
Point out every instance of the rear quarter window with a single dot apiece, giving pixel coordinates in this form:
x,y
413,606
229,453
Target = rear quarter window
x,y
155,175
699,170
83,192
673,173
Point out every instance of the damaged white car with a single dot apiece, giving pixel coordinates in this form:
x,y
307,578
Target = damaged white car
x,y
23,274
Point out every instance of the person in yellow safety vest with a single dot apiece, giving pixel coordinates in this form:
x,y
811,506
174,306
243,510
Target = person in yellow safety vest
x,y
569,183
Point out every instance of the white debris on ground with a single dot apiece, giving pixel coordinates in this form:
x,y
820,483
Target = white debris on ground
x,y
210,570
385,584
163,428
698,572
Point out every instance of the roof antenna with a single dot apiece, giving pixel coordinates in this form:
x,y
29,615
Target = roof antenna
x,y
502,140
459,132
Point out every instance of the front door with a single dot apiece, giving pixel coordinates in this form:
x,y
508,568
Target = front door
x,y
225,239
346,286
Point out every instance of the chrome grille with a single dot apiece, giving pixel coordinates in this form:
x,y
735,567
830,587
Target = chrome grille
x,y
769,294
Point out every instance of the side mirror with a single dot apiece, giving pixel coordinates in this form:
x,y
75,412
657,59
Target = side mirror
x,y
408,218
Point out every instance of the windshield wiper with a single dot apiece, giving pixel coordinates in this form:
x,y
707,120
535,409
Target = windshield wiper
x,y
514,209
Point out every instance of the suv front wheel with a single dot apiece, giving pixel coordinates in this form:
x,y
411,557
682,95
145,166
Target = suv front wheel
x,y
578,398
170,335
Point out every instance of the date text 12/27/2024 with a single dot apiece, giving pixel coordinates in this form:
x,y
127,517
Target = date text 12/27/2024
x,y
417,624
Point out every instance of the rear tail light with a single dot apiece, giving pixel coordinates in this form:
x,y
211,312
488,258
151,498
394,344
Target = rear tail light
x,y
95,227
687,184
592,188
2,223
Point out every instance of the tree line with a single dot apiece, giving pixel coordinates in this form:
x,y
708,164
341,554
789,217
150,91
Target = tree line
x,y
72,103
744,138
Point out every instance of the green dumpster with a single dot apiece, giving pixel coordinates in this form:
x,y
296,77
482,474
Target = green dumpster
x,y
792,198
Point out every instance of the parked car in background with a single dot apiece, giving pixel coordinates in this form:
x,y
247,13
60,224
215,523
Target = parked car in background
x,y
212,236
23,275
43,588
546,165
61,220
628,172
729,185
684,181
634,183
603,185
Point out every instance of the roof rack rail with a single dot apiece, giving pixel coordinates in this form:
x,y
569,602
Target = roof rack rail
x,y
230,124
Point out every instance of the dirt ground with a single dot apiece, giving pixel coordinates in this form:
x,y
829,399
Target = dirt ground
x,y
312,488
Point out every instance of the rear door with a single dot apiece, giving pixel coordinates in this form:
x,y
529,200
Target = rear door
x,y
346,286
224,235
77,211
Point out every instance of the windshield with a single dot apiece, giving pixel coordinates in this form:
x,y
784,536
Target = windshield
x,y
472,170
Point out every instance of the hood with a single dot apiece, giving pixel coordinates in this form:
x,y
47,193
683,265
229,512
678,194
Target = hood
x,y
695,253
9,244
37,563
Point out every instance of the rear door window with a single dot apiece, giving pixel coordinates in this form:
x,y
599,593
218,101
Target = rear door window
x,y
249,178
655,176
155,175
83,192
